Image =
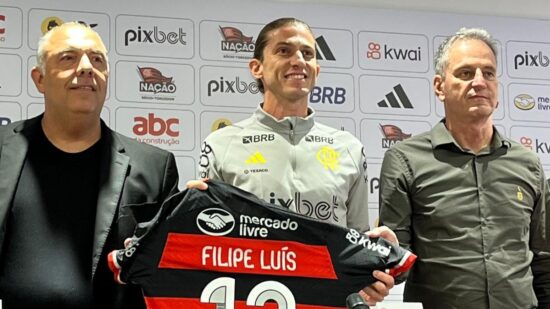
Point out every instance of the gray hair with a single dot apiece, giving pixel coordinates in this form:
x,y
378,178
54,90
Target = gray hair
x,y
441,59
45,39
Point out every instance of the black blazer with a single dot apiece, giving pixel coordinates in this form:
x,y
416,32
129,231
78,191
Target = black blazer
x,y
135,179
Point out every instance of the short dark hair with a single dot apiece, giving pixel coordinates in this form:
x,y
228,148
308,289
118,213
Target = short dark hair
x,y
263,38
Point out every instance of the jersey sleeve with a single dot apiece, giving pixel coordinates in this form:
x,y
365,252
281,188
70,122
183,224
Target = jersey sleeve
x,y
358,199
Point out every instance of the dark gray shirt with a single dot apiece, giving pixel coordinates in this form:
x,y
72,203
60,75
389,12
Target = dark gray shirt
x,y
477,222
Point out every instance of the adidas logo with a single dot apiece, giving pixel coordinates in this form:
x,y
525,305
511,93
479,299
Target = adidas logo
x,y
392,100
322,50
256,158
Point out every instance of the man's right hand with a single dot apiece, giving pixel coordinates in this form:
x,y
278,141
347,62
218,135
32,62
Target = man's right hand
x,y
197,184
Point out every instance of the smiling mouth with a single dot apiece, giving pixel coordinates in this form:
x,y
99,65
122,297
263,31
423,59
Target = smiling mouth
x,y
297,76
83,87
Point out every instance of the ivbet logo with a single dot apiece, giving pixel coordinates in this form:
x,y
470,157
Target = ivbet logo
x,y
156,126
531,60
327,95
390,53
154,36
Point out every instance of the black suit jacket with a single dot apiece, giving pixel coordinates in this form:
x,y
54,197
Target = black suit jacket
x,y
135,179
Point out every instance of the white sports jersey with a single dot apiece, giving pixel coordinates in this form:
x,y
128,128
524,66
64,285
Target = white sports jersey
x,y
295,162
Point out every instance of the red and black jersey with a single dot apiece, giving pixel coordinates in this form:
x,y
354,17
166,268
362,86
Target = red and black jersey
x,y
225,248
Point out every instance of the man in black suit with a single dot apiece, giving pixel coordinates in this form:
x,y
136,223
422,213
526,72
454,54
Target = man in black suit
x,y
71,189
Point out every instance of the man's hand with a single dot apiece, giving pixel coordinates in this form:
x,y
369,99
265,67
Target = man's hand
x,y
377,291
197,184
384,232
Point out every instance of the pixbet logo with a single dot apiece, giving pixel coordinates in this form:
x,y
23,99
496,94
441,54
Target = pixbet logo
x,y
328,95
234,86
154,36
156,126
375,51
531,60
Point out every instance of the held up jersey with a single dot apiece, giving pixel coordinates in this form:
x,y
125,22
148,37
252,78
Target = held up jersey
x,y
295,162
225,248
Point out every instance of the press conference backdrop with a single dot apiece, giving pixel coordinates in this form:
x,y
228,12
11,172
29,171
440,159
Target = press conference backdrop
x,y
179,70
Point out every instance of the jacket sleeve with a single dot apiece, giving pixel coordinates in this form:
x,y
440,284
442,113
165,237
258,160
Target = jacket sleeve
x,y
540,244
358,202
171,177
208,161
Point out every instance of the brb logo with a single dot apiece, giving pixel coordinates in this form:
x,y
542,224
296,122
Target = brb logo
x,y
328,95
234,86
154,36
376,51
156,126
530,60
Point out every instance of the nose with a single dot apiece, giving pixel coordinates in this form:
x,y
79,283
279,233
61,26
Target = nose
x,y
298,58
85,67
479,79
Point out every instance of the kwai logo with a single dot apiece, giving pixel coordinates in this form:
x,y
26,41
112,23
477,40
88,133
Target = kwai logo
x,y
376,51
392,134
215,222
234,40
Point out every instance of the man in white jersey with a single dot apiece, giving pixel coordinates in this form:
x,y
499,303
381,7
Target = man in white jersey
x,y
282,155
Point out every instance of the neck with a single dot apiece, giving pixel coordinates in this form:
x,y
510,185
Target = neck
x,y
279,108
472,136
72,135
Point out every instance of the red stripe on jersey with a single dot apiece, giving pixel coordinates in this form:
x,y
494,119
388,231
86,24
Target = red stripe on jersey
x,y
247,256
192,303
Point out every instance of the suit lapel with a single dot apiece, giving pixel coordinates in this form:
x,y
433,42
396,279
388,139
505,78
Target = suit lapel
x,y
13,152
114,166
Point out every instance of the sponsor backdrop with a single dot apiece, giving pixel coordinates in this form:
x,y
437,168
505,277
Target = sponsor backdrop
x,y
179,70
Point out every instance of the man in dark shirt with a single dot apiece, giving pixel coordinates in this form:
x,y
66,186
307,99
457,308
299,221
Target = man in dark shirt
x,y
469,202
71,189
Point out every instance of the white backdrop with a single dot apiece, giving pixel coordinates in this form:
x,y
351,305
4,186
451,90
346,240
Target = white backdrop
x,y
175,77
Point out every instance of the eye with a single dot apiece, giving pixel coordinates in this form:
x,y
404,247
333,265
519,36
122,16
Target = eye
x,y
308,54
283,50
489,75
66,57
465,74
98,59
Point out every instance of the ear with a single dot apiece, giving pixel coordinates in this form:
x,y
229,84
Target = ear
x,y
438,84
318,70
38,79
256,68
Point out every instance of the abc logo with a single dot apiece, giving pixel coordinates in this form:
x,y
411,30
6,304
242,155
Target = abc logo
x,y
156,126
215,222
